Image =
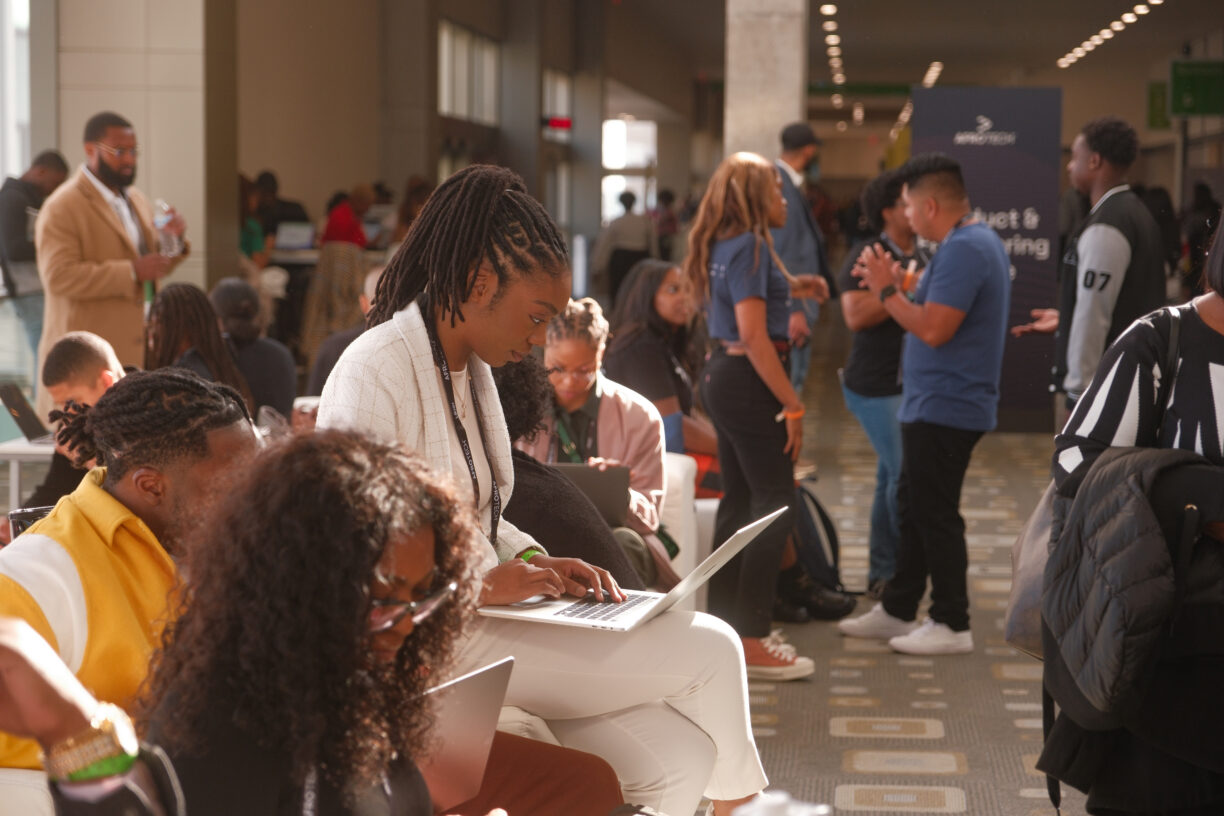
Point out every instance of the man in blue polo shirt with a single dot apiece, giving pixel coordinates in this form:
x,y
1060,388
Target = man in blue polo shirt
x,y
956,326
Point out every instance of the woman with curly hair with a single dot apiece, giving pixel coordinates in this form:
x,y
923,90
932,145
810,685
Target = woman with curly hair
x,y
746,389
297,664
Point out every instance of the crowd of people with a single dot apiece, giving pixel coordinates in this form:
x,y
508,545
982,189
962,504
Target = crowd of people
x,y
260,610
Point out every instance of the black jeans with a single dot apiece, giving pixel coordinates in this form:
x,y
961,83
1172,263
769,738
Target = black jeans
x,y
758,478
934,459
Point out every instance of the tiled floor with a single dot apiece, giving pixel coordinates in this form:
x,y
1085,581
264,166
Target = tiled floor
x,y
878,732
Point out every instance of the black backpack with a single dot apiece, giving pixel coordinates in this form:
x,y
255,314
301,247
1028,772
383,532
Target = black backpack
x,y
815,537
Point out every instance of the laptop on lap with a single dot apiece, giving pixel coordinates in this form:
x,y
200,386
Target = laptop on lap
x,y
638,607
465,717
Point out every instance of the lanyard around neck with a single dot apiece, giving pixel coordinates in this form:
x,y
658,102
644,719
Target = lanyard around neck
x,y
461,432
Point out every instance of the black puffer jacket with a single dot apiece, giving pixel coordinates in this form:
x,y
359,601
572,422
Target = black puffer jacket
x,y
1109,584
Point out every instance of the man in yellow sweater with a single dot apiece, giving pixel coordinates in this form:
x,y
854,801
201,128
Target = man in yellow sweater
x,y
95,577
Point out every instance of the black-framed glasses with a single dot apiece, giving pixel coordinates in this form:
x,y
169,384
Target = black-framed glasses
x,y
385,613
119,152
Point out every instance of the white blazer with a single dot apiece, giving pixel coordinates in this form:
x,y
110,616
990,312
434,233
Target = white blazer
x,y
385,385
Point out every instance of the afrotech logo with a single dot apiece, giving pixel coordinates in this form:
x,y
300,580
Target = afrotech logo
x,y
985,134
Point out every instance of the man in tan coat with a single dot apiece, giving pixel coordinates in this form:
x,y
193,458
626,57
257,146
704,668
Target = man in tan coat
x,y
97,247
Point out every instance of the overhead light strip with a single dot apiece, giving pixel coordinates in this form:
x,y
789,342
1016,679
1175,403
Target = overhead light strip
x,y
1107,33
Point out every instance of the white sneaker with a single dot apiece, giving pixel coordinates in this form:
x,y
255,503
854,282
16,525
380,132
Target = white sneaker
x,y
933,638
875,624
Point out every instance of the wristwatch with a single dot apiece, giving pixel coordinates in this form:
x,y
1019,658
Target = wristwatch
x,y
108,741
887,292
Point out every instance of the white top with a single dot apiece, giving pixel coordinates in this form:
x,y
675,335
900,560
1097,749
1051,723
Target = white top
x,y
122,208
386,384
795,176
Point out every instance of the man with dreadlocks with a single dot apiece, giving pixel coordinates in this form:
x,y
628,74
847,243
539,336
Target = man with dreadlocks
x,y
474,285
94,577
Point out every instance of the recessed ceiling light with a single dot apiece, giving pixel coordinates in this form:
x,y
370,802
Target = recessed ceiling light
x,y
832,39
1129,17
1097,39
1117,25
1079,52
838,100
1062,63
1155,2
833,51
835,62
839,79
1141,9
1088,46
828,9
829,25
1106,34
841,127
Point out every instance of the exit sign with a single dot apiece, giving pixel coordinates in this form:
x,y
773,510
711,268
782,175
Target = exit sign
x,y
1196,88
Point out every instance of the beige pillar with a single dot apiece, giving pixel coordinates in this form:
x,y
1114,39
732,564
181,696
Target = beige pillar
x,y
766,68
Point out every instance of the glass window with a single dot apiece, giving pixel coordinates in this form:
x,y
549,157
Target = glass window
x,y
557,99
14,87
468,75
629,143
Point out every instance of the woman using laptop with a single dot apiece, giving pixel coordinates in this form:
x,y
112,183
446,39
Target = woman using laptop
x,y
598,422
475,284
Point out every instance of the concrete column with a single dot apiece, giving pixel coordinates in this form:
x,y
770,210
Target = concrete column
x,y
409,132
143,59
587,136
521,92
220,242
766,68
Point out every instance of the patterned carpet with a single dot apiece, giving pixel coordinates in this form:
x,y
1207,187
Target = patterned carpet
x,y
877,732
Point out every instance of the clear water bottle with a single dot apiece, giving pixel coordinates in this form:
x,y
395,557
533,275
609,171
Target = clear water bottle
x,y
171,242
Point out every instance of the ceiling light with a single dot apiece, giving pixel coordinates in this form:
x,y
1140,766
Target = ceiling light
x,y
838,100
1129,17
828,9
1087,46
858,113
1106,34
1155,2
1141,9
1062,63
833,51
835,62
832,39
1097,39
839,79
829,25
1117,25
841,127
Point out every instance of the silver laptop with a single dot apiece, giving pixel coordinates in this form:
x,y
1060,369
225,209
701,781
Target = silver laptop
x,y
292,235
608,489
465,717
638,607
24,415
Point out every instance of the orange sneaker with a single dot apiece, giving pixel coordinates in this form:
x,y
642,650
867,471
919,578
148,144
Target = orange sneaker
x,y
772,658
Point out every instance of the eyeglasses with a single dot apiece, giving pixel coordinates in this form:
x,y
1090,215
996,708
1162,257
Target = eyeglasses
x,y
119,152
387,612
584,375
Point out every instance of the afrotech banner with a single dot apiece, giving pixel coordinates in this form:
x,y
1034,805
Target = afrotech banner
x,y
1007,141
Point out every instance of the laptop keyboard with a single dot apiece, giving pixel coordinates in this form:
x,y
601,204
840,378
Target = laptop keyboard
x,y
591,609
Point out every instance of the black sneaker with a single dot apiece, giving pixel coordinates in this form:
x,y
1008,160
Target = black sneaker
x,y
821,603
786,612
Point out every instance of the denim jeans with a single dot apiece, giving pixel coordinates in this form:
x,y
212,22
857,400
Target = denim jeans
x,y
878,416
801,356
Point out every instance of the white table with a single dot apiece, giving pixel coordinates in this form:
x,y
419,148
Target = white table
x,y
17,451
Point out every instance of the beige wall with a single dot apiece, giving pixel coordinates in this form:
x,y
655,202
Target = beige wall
x,y
143,59
309,92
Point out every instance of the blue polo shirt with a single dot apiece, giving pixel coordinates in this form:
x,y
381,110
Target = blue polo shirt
x,y
741,268
957,383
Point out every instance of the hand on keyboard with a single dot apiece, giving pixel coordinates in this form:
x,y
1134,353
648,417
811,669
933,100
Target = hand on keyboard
x,y
579,577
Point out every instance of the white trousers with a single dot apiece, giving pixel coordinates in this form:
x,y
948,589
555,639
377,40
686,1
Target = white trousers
x,y
24,793
666,705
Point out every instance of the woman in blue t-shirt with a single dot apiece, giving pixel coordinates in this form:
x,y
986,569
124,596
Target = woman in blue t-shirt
x,y
746,390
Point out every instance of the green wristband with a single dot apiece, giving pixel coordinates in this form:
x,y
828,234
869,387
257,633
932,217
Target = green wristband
x,y
529,553
111,766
